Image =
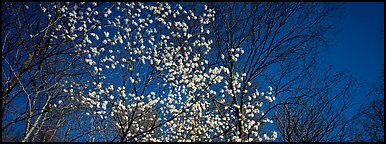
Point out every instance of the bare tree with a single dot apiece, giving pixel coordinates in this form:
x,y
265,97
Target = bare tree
x,y
371,114
318,109
33,66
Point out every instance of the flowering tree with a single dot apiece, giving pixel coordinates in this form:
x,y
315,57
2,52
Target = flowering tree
x,y
148,70
157,71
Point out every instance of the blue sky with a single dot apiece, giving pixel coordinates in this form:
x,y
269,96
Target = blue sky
x,y
358,42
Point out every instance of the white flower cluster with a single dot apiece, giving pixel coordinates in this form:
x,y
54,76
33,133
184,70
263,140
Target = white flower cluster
x,y
134,69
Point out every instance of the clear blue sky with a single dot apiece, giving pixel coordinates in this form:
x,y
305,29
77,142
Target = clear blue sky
x,y
359,44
